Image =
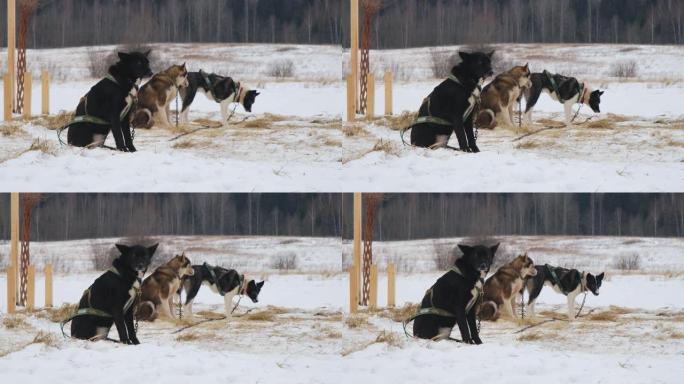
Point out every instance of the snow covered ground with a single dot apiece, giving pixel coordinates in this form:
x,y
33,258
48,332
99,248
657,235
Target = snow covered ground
x,y
300,331
635,144
290,142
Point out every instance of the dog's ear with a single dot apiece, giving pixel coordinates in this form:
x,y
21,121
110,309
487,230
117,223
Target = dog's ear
x,y
601,93
123,248
491,54
260,284
183,66
256,93
464,55
600,276
495,247
152,249
147,54
527,67
465,248
123,55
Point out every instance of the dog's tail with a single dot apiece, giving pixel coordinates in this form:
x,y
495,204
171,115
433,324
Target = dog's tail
x,y
488,311
486,119
146,311
142,119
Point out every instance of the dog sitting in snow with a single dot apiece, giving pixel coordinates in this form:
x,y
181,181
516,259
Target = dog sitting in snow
x,y
111,299
502,288
158,289
225,282
499,97
569,282
109,104
155,97
449,108
456,293
221,89
566,90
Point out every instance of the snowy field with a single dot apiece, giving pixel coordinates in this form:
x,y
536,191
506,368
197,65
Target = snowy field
x,y
290,142
300,331
635,144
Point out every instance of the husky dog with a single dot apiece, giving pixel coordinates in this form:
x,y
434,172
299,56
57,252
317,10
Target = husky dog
x,y
155,97
566,90
569,282
159,288
225,282
456,293
112,297
221,89
452,103
110,103
499,97
502,288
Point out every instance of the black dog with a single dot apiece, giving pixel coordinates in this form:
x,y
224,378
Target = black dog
x,y
569,282
566,90
109,104
225,282
456,292
111,298
452,103
223,90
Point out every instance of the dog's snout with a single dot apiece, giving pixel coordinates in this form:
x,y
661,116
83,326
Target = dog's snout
x,y
483,267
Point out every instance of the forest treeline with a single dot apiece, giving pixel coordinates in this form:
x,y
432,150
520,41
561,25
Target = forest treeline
x,y
81,216
411,23
416,216
65,23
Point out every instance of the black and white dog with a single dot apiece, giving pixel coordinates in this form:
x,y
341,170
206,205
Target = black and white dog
x,y
221,89
453,104
109,104
111,299
566,90
225,282
457,293
569,282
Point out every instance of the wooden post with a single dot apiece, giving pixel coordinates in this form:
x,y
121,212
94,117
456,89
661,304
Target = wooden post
x,y
351,109
45,93
354,59
388,93
11,47
7,97
391,287
353,289
373,297
370,107
31,288
14,238
357,234
11,289
28,83
48,285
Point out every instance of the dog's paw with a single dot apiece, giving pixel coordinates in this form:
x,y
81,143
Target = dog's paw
x,y
127,342
131,148
476,340
474,148
464,149
121,148
135,341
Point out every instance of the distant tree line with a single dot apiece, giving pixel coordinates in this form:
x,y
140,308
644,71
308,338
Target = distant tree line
x,y
65,23
416,216
411,23
81,216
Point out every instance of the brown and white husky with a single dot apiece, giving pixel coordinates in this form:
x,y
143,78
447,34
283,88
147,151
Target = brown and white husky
x,y
159,288
500,96
155,97
502,288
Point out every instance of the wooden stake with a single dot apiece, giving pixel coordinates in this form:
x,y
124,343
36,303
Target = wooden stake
x,y
14,238
353,290
11,47
45,93
373,297
28,83
370,107
351,109
7,97
11,289
388,93
354,45
391,287
48,285
31,288
357,234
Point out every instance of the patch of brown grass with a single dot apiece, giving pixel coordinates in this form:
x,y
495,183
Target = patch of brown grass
x,y
603,316
54,122
57,315
332,143
265,315
389,338
530,336
354,130
8,129
210,314
43,146
184,144
600,124
397,123
356,321
46,338
265,121
401,313
529,144
388,147
189,336
15,322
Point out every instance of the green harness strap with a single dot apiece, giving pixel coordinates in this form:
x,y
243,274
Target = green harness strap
x,y
580,88
555,278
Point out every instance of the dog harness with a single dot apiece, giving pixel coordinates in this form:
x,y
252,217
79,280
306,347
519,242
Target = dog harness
x,y
557,281
241,280
580,88
432,310
438,120
90,311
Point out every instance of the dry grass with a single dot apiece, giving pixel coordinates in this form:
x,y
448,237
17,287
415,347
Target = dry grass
x,y
400,314
600,124
190,336
531,336
210,314
265,121
529,144
332,143
54,122
356,321
43,146
46,338
9,129
185,144
268,314
389,338
57,315
15,322
388,147
354,130
397,123
603,316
